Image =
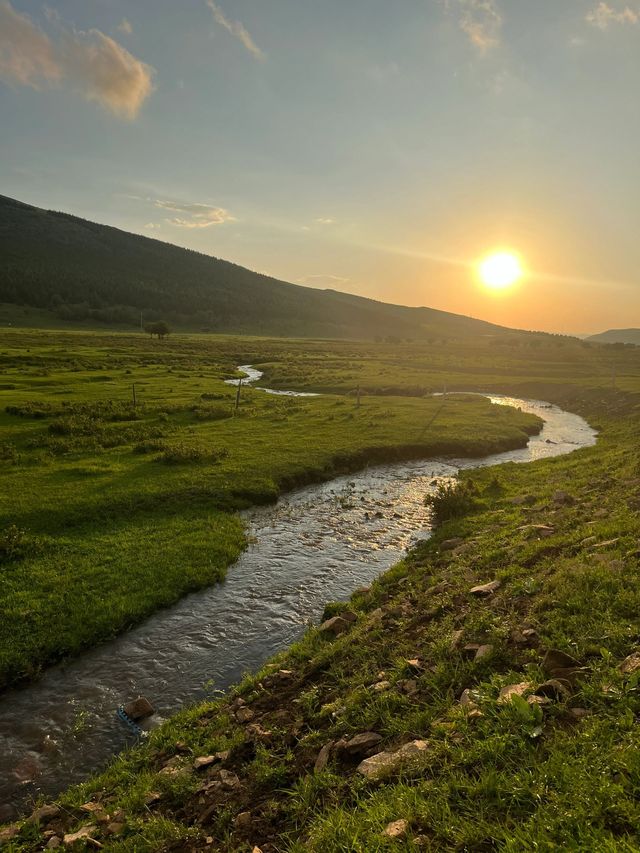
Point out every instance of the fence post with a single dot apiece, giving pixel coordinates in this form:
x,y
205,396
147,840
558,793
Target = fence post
x,y
133,391
238,396
358,397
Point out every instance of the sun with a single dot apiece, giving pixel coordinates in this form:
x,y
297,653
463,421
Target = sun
x,y
500,270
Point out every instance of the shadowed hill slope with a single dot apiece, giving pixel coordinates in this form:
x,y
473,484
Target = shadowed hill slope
x,y
86,272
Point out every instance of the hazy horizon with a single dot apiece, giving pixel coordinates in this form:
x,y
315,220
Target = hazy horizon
x,y
352,148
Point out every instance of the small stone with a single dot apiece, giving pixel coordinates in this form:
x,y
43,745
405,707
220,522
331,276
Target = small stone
x,y
529,633
349,616
388,762
204,761
579,713
486,588
467,698
415,664
630,664
243,822
83,834
152,797
483,652
563,498
456,639
114,828
556,660
538,700
336,625
322,759
53,842
555,690
381,686
229,780
396,829
507,693
8,833
256,850
139,708
408,686
607,543
44,814
362,742
244,715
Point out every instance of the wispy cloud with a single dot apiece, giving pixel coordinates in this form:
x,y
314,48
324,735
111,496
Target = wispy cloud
x,y
125,27
327,280
480,20
603,15
194,215
90,62
325,220
237,29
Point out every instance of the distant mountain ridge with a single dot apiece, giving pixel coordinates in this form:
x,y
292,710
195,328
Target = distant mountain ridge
x,y
83,271
617,336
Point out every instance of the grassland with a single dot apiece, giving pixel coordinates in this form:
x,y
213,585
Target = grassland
x,y
562,538
110,511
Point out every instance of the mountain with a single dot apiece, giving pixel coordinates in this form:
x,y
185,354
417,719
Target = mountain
x,y
617,336
82,271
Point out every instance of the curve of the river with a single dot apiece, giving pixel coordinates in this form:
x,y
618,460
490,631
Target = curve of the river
x,y
315,545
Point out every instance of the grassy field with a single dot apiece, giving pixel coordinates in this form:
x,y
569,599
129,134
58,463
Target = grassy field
x,y
110,511
491,771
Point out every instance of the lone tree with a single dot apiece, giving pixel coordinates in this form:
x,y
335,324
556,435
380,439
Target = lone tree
x,y
160,329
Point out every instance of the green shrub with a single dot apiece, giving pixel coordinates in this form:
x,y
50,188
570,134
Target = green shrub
x,y
179,454
452,500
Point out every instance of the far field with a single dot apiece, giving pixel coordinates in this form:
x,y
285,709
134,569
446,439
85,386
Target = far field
x,y
109,511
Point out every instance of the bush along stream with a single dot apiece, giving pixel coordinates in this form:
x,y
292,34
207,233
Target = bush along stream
x,y
318,543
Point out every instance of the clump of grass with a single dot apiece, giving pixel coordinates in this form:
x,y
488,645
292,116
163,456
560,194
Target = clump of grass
x,y
15,543
452,500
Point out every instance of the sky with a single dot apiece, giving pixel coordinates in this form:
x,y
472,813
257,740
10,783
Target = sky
x,y
373,147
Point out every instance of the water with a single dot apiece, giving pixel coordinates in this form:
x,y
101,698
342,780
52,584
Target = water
x,y
315,545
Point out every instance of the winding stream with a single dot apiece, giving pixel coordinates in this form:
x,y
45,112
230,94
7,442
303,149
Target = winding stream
x,y
315,545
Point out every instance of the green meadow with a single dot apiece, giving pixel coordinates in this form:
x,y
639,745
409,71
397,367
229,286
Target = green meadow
x,y
111,510
272,764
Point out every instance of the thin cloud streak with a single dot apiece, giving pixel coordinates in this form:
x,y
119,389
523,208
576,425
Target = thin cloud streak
x,y
237,30
197,215
479,20
92,63
604,15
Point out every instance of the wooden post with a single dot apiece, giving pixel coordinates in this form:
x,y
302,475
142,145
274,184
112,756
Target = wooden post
x,y
133,390
238,396
358,397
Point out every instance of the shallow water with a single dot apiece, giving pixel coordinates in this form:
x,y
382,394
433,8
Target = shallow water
x,y
316,544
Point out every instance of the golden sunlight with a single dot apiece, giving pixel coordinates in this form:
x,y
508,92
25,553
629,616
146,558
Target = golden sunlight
x,y
500,270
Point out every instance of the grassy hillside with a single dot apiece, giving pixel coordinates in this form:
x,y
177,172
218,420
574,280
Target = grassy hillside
x,y
617,336
88,273
531,744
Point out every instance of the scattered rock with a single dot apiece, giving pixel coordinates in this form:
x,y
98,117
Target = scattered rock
x,y
229,780
630,664
381,686
204,761
387,762
523,500
396,829
8,833
139,708
467,698
483,652
53,842
152,797
408,686
563,498
322,758
44,814
415,664
606,544
579,713
507,693
115,827
243,822
349,616
543,531
470,650
336,625
362,743
559,663
83,834
486,588
529,633
554,689
244,715
456,639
